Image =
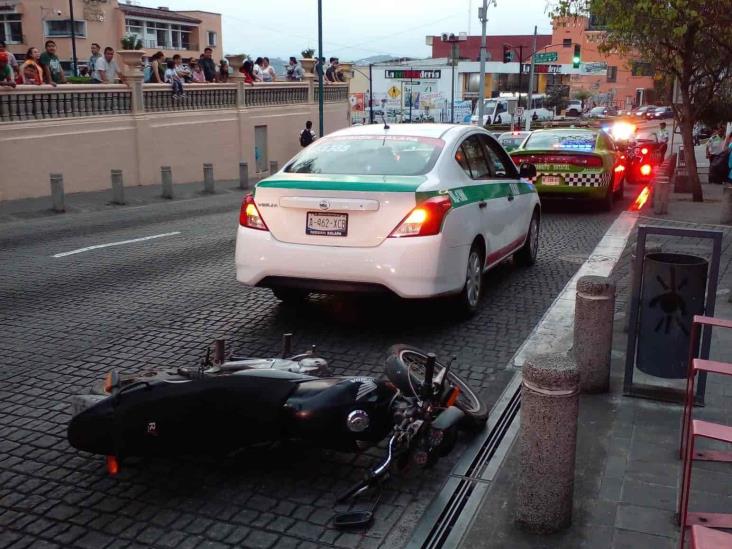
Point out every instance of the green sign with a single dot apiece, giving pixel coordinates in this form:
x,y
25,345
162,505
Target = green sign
x,y
545,57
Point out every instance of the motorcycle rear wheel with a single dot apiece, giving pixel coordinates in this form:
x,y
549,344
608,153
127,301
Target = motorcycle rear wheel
x,y
405,369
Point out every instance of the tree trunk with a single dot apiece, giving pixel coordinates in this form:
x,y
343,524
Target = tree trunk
x,y
687,139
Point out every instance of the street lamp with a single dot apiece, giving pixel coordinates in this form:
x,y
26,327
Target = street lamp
x,y
74,68
453,40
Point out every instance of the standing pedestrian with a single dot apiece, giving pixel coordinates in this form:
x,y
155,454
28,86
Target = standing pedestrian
x,y
95,55
6,73
12,61
294,70
208,65
53,73
696,132
663,138
155,72
197,76
307,135
30,70
223,71
247,69
258,62
268,72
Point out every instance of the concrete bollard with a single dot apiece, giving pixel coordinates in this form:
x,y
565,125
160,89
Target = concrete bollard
x,y
57,192
547,443
166,180
208,179
118,188
726,217
650,249
243,175
593,332
273,167
661,190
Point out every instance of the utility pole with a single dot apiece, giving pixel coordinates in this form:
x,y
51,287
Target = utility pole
x,y
453,57
320,64
483,16
74,68
371,95
521,72
531,83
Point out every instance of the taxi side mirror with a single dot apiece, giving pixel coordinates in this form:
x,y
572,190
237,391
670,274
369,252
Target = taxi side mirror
x,y
527,171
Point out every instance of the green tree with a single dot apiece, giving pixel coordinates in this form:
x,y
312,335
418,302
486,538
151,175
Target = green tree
x,y
688,41
555,97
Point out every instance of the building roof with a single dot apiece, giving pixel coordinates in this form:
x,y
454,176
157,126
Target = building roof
x,y
470,48
157,13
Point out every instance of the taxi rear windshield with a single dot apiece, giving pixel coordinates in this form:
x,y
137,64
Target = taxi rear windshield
x,y
369,155
579,141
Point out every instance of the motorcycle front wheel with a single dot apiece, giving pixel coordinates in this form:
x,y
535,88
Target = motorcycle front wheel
x,y
404,367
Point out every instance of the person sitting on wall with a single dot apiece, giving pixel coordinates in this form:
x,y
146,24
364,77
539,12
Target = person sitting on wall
x,y
31,71
175,81
182,69
6,73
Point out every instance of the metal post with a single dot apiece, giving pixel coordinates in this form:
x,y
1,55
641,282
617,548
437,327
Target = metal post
x,y
57,192
521,73
453,56
73,39
371,95
726,217
273,167
208,179
483,15
661,190
593,332
547,443
166,178
531,83
243,175
320,72
118,187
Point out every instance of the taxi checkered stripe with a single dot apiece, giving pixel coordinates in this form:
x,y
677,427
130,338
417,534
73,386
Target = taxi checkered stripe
x,y
579,179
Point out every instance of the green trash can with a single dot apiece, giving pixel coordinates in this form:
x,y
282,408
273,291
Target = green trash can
x,y
673,291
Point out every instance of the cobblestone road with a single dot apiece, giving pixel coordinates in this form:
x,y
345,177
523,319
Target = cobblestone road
x,y
65,322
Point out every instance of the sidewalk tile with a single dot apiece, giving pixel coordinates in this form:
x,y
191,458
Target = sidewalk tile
x,y
625,539
647,520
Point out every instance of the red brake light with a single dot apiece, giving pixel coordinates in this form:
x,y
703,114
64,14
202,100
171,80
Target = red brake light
x,y
644,150
645,169
425,219
249,215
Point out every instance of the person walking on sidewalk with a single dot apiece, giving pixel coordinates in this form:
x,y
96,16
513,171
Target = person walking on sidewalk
x,y
662,135
307,135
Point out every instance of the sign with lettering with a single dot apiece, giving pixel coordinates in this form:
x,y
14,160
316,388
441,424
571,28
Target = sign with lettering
x,y
542,69
413,74
545,57
594,69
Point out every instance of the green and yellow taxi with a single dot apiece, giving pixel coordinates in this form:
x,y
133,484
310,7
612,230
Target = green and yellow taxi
x,y
574,163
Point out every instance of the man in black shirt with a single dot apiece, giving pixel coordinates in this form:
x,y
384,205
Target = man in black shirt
x,y
333,74
208,66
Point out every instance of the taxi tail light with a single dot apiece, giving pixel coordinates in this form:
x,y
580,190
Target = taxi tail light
x,y
424,220
646,169
249,215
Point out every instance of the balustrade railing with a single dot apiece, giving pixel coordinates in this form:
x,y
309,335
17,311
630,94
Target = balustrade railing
x,y
26,103
159,97
44,102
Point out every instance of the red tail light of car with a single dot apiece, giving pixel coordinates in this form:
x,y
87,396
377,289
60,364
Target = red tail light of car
x,y
424,220
249,215
646,169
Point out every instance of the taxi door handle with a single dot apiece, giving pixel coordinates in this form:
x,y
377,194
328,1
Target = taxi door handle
x,y
482,204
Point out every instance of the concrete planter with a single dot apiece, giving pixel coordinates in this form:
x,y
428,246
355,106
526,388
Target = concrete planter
x,y
308,65
132,60
235,61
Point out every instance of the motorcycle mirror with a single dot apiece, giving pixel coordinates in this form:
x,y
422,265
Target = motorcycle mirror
x,y
353,519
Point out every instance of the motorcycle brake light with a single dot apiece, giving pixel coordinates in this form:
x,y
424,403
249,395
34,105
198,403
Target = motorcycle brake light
x,y
112,465
645,169
644,150
249,215
425,219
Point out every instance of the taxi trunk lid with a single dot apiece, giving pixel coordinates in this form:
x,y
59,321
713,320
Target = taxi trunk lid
x,y
335,210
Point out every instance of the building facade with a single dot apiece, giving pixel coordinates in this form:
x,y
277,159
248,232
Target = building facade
x,y
29,23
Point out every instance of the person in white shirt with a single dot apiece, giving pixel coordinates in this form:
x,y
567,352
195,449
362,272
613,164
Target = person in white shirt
x,y
268,72
663,138
175,81
258,62
106,70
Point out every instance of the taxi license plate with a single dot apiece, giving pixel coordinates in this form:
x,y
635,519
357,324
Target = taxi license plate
x,y
551,180
326,224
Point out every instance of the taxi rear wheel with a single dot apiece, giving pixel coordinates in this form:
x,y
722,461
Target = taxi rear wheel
x,y
468,300
526,256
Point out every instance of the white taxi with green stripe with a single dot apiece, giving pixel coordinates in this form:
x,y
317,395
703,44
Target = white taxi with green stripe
x,y
419,210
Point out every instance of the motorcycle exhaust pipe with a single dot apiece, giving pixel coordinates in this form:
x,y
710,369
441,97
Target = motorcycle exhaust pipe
x,y
451,417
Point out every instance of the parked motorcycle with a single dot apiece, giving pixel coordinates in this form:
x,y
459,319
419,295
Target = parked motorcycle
x,y
225,404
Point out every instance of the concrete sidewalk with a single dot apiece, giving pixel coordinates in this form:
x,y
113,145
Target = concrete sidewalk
x,y
627,470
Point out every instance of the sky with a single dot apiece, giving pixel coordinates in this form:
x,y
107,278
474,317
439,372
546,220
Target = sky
x,y
354,29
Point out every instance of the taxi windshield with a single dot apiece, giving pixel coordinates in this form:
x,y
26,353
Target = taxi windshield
x,y
369,155
576,141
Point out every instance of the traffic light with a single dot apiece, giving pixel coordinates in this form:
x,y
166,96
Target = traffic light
x,y
576,57
507,53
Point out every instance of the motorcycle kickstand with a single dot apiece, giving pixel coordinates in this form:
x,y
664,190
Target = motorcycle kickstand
x,y
358,519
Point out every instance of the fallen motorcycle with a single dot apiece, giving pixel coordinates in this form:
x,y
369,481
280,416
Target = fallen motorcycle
x,y
225,404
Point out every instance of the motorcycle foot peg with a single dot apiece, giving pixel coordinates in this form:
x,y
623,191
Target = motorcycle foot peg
x,y
112,466
286,345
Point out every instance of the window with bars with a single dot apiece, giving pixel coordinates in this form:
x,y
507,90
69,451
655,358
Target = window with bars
x,y
211,38
612,74
62,27
11,29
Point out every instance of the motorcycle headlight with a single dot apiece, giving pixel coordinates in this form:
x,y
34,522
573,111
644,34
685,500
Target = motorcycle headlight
x,y
357,421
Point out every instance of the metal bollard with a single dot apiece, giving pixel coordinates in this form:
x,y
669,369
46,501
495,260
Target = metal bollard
x,y
593,332
166,179
243,175
208,179
273,167
726,217
650,249
661,189
57,192
118,188
547,443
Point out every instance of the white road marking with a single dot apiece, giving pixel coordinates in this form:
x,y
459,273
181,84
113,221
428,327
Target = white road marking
x,y
120,243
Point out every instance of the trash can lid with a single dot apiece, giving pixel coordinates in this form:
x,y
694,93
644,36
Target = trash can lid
x,y
552,372
676,259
